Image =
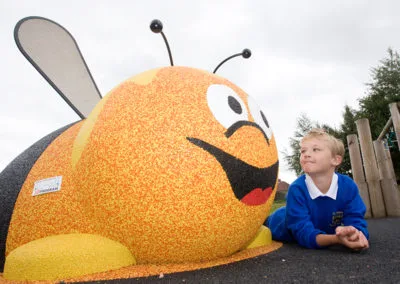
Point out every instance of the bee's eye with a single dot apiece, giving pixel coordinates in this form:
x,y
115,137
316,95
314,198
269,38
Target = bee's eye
x,y
226,106
264,119
259,117
234,105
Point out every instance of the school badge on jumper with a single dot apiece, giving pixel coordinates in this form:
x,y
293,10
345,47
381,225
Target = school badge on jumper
x,y
337,218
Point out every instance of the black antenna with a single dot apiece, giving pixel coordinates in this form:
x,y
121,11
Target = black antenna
x,y
156,27
246,53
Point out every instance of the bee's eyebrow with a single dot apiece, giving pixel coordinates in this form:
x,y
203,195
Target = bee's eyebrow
x,y
229,132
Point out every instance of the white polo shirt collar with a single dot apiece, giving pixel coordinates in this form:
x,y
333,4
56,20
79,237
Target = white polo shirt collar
x,y
315,192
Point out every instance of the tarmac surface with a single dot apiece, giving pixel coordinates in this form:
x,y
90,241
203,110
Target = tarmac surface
x,y
294,264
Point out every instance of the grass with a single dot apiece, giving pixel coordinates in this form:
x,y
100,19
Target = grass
x,y
277,204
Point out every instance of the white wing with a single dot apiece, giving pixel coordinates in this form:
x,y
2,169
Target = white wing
x,y
53,51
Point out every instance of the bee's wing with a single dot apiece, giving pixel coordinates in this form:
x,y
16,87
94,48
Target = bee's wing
x,y
54,53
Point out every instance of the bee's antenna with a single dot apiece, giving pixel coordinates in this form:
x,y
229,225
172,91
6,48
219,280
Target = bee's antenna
x,y
246,53
156,27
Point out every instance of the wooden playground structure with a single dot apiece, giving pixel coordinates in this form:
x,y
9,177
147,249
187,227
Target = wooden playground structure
x,y
372,167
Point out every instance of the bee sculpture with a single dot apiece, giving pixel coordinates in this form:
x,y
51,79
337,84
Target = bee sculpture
x,y
173,165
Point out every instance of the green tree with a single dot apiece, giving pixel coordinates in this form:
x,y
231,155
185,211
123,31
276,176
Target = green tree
x,y
292,158
347,127
383,89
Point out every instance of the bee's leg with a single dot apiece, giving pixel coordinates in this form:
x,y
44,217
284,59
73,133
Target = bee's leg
x,y
65,256
262,238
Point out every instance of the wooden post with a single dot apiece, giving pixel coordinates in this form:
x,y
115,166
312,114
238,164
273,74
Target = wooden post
x,y
385,129
389,157
390,190
358,172
383,160
371,168
394,112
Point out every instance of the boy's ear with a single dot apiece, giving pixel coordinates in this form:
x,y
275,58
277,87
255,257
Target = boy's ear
x,y
337,160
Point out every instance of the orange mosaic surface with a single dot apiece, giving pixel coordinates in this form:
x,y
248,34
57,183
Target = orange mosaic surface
x,y
137,271
180,201
137,180
35,217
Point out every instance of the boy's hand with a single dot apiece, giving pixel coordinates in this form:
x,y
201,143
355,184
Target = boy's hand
x,y
351,237
348,232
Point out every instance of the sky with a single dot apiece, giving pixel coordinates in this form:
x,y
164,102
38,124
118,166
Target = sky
x,y
308,57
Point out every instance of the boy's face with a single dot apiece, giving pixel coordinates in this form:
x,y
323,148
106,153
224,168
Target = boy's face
x,y
316,157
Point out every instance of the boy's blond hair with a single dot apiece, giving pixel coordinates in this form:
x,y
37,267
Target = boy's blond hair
x,y
335,145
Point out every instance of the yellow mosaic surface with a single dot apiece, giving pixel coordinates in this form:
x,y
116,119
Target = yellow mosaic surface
x,y
137,180
144,270
54,257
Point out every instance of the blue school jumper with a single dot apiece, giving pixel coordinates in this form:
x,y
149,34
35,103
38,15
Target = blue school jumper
x,y
304,218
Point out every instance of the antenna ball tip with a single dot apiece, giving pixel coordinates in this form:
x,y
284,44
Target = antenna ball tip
x,y
246,53
156,26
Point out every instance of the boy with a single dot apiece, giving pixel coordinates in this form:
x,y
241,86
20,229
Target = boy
x,y
323,208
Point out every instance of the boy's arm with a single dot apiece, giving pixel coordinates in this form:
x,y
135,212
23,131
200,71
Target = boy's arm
x,y
299,220
348,236
324,240
354,210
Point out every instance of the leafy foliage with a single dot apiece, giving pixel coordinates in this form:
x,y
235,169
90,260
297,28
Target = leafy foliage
x,y
304,124
383,90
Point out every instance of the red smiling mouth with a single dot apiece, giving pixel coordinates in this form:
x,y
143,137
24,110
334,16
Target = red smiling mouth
x,y
257,196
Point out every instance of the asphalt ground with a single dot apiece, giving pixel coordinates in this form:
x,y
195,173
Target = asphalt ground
x,y
294,264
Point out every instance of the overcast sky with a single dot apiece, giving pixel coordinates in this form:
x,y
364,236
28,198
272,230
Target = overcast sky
x,y
310,57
